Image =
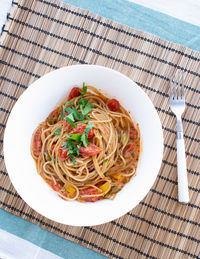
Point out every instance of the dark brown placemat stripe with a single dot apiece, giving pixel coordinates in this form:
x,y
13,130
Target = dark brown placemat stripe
x,y
45,35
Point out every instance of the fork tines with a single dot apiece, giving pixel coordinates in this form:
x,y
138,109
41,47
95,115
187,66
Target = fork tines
x,y
177,86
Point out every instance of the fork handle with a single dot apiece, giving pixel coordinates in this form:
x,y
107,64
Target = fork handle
x,y
183,193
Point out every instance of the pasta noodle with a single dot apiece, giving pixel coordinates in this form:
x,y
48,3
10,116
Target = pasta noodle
x,y
88,147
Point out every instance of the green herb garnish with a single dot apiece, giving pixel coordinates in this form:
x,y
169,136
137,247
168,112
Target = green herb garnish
x,y
88,107
57,132
85,106
82,101
76,137
73,149
68,119
69,110
84,140
84,89
105,160
77,115
61,112
66,104
87,129
53,159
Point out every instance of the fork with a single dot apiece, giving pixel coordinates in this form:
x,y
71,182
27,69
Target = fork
x,y
177,105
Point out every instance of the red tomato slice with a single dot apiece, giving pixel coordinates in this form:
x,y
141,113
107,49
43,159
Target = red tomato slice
x,y
55,186
90,150
66,126
37,142
89,191
62,153
74,93
133,133
113,105
53,116
129,150
81,129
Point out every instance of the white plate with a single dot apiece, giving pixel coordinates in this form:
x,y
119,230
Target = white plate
x,y
33,107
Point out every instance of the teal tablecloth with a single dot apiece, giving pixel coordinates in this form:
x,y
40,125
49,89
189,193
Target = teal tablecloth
x,y
140,18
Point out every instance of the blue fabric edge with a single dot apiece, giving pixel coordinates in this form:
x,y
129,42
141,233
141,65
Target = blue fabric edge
x,y
144,19
44,238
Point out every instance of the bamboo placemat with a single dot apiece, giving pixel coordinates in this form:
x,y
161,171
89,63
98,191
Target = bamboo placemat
x,y
41,36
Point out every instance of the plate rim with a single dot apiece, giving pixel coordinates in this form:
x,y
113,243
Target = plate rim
x,y
5,147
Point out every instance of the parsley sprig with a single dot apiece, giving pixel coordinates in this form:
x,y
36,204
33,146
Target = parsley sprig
x,y
84,89
85,107
74,141
74,115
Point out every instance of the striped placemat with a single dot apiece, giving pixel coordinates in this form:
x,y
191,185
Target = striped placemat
x,y
41,36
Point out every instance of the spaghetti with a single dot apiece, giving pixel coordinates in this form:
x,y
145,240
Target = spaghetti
x,y
87,149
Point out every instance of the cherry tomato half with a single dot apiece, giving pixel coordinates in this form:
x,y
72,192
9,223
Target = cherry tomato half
x,y
66,126
74,93
113,105
37,142
53,116
62,153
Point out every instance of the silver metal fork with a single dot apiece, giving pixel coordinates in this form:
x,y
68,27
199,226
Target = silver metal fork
x,y
177,105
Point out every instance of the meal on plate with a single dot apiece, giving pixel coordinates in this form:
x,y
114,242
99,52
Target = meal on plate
x,y
88,148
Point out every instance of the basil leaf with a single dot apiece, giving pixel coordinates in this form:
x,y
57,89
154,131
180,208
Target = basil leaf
x,y
76,137
73,149
53,159
84,140
77,115
87,129
70,151
57,132
66,104
69,119
84,89
105,160
61,112
82,109
82,101
70,116
88,107
69,110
